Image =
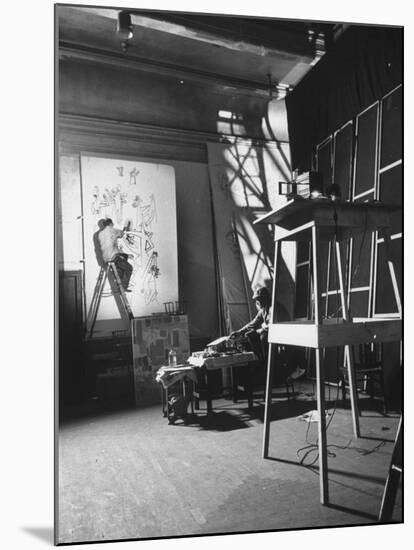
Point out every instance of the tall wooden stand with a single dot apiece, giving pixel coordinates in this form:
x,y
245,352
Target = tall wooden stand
x,y
314,221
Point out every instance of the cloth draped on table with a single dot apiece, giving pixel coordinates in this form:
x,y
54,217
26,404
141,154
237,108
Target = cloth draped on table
x,y
170,375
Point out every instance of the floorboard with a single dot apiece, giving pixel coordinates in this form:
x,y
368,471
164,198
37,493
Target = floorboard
x,y
129,474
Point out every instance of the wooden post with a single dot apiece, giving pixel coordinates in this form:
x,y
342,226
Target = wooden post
x,y
348,352
323,461
320,375
271,357
268,403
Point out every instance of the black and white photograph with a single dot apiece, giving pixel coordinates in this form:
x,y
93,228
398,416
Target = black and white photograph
x,y
229,258
226,276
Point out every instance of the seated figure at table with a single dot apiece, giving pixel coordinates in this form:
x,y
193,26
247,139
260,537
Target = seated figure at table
x,y
256,330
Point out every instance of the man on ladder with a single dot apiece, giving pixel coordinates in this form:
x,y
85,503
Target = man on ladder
x,y
108,241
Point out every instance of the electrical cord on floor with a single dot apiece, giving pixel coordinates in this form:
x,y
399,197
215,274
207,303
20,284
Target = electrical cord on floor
x,y
365,452
311,447
314,447
330,419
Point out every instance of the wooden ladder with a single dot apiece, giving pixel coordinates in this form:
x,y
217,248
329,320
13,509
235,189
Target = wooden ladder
x,y
97,295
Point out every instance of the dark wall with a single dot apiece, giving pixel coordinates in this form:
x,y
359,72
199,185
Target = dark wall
x,y
360,68
341,124
148,98
70,374
196,262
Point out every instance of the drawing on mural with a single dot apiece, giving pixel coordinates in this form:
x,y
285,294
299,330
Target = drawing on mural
x,y
140,199
111,201
149,280
133,176
138,239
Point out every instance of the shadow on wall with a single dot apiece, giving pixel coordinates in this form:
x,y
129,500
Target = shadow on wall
x,y
248,182
96,244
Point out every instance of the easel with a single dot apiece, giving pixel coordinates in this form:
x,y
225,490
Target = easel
x,y
314,221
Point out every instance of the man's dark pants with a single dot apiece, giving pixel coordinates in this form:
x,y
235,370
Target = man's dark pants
x,y
124,269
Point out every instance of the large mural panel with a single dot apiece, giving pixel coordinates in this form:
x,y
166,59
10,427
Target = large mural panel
x,y
140,198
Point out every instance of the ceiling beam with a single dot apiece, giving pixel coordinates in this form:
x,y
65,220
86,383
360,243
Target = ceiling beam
x,y
223,83
208,35
215,39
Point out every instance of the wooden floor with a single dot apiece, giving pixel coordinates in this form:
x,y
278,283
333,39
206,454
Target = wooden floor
x,y
128,474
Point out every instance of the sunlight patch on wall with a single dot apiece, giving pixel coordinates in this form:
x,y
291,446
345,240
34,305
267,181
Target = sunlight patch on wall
x,y
275,124
243,175
257,263
229,123
244,179
276,167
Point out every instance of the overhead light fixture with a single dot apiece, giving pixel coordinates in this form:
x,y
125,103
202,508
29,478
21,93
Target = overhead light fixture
x,y
124,29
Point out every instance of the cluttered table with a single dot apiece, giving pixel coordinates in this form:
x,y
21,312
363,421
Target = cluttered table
x,y
234,360
195,373
222,360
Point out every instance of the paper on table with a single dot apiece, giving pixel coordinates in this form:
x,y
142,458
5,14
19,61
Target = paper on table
x,y
220,340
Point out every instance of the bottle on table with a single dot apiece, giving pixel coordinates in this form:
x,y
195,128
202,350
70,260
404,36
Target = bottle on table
x,y
172,358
